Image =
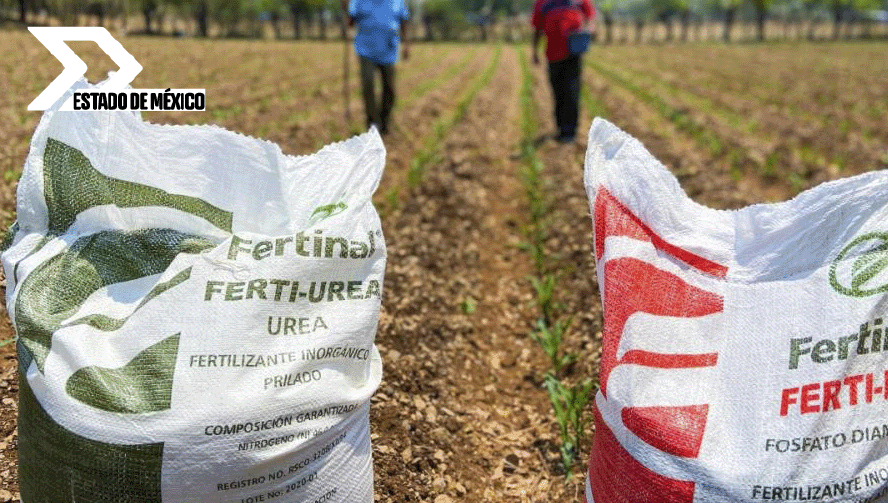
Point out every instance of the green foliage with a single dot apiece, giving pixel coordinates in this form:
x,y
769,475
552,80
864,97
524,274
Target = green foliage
x,y
544,288
444,17
468,305
569,403
550,337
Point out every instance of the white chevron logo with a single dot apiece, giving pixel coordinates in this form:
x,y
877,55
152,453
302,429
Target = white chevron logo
x,y
74,67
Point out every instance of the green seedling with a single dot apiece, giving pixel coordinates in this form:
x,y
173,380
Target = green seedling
x,y
569,403
545,296
7,341
468,305
393,198
550,339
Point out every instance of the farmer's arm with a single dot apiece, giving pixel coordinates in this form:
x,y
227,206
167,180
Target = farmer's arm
x,y
533,46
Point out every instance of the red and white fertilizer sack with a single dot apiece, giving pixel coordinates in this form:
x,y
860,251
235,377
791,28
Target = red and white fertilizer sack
x,y
195,314
745,353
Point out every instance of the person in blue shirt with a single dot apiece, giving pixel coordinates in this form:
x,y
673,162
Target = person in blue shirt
x,y
382,26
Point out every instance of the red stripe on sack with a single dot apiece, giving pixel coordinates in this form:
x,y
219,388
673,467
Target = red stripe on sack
x,y
634,286
669,361
676,430
613,218
616,477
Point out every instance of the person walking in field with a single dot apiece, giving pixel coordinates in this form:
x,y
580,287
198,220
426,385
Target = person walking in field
x,y
567,26
382,28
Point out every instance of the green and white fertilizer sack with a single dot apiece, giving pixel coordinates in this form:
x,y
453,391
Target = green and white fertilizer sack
x,y
195,314
745,353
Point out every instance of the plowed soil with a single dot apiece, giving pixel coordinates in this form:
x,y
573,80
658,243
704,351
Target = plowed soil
x,y
461,414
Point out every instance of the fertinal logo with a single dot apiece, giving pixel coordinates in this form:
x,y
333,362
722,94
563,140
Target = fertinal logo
x,y
866,274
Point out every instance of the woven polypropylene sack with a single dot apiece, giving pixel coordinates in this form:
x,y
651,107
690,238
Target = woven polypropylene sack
x,y
744,352
195,314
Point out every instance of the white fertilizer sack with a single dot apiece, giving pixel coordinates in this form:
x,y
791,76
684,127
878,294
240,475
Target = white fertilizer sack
x,y
196,314
745,353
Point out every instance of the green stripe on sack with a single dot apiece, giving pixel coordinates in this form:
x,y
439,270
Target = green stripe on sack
x,y
59,466
145,384
57,288
108,324
73,185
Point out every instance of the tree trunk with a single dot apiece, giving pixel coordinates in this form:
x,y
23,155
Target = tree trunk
x,y
639,30
297,22
685,25
667,23
428,28
146,12
200,17
276,24
608,28
729,24
322,23
343,26
23,11
761,16
837,20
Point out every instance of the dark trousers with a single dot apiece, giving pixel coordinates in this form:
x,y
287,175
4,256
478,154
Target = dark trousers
x,y
377,112
565,78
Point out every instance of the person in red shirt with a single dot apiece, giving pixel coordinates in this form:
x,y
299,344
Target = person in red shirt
x,y
556,19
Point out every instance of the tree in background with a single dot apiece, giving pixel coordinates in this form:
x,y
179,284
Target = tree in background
x,y
729,9
444,18
639,11
450,19
301,11
149,9
23,10
606,10
761,15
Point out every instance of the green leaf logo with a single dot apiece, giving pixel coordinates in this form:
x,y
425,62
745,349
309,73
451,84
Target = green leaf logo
x,y
328,210
859,269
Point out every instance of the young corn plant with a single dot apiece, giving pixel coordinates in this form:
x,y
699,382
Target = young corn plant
x,y
550,337
544,287
569,403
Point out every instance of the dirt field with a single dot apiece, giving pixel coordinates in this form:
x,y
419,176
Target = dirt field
x,y
461,414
